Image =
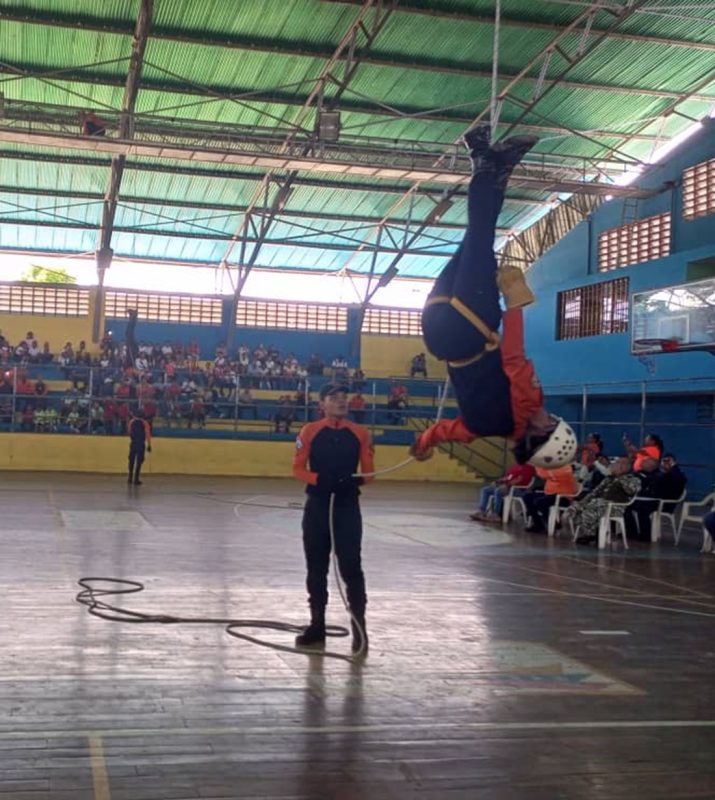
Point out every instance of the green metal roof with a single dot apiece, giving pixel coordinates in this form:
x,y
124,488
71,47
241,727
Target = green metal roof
x,y
214,74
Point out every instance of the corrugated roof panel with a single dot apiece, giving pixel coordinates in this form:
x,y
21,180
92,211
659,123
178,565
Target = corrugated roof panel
x,y
110,10
303,20
55,240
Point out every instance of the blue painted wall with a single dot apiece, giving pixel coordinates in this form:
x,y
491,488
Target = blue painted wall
x,y
302,343
572,262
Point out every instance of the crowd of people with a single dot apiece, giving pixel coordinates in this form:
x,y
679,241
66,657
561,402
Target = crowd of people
x,y
640,477
169,381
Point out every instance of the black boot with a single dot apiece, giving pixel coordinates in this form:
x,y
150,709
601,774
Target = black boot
x,y
359,630
476,141
315,632
508,153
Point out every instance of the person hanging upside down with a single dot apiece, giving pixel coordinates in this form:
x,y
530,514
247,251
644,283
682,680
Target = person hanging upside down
x,y
497,390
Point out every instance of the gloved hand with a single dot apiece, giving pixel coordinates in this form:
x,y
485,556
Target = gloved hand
x,y
420,455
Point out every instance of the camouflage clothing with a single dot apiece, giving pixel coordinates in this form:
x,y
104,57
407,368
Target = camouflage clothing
x,y
586,513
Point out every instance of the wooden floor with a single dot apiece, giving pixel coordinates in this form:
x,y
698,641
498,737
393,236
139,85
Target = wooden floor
x,y
501,667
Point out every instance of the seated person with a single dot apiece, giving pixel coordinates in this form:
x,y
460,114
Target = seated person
x,y
652,448
559,481
666,483
619,487
518,475
589,473
496,387
419,366
245,401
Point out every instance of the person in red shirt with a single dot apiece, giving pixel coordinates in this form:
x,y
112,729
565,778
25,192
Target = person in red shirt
x,y
497,390
518,475
652,448
356,405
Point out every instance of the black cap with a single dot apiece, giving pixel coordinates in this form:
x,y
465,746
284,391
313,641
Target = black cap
x,y
332,388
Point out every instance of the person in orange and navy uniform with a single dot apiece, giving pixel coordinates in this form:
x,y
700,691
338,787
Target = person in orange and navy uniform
x,y
327,455
497,390
139,432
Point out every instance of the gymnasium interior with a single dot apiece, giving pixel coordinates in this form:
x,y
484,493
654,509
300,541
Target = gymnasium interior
x,y
210,212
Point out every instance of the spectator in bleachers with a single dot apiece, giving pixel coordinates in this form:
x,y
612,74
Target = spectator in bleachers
x,y
315,365
518,475
357,382
560,481
665,483
246,403
284,416
652,447
197,412
397,404
356,407
339,368
66,357
619,487
419,366
46,356
40,388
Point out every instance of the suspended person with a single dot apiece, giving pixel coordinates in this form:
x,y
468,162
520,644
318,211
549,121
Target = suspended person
x,y
496,387
139,432
327,455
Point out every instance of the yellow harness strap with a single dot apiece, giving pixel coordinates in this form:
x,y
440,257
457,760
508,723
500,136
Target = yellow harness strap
x,y
491,336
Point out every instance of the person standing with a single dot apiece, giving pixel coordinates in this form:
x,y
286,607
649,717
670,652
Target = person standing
x,y
139,432
327,455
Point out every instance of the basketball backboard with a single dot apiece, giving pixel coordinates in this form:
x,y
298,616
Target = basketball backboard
x,y
674,318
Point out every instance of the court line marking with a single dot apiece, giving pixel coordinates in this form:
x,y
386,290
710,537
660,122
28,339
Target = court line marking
x,y
588,563
428,727
605,633
100,778
601,584
600,598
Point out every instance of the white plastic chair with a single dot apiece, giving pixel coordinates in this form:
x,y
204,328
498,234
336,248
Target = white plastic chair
x,y
557,509
658,515
515,501
604,524
687,516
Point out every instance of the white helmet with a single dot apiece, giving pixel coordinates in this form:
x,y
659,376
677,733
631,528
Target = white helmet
x,y
559,450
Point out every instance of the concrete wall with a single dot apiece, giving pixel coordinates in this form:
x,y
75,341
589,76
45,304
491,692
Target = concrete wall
x,y
108,454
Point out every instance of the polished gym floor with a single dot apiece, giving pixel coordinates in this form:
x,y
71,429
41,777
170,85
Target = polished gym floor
x,y
503,666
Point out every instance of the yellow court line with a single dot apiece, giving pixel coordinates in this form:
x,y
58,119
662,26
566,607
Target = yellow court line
x,y
100,778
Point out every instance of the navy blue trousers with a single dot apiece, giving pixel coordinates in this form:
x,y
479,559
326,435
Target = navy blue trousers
x,y
482,389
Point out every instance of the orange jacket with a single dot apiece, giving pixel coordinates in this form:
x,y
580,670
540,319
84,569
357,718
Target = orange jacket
x,y
304,446
559,481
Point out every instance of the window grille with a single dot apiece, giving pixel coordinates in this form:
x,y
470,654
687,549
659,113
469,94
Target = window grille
x,y
164,307
291,316
643,240
393,322
595,310
699,190
49,301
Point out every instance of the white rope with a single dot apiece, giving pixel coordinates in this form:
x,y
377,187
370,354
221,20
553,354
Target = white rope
x,y
495,108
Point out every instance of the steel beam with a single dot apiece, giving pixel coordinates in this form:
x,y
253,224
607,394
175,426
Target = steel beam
x,y
438,172
237,175
126,132
215,237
